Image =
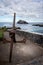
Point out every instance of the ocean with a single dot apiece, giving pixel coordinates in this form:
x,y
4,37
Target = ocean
x,y
24,27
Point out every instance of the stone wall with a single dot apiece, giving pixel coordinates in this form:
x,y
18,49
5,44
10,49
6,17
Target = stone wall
x,y
37,38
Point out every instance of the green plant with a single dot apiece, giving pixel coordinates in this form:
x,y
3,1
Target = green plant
x,y
1,34
2,29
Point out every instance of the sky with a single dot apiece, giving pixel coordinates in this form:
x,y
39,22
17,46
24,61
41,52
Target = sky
x,y
29,10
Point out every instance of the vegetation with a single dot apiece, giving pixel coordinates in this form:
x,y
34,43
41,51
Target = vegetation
x,y
2,29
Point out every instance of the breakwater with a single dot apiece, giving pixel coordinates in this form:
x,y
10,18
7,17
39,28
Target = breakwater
x,y
34,37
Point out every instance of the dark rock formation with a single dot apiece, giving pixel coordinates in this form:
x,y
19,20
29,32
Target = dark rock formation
x,y
38,25
22,22
17,28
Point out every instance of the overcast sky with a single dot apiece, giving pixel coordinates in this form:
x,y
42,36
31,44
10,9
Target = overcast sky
x,y
29,10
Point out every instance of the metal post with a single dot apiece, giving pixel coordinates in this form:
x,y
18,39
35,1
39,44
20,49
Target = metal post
x,y
12,39
14,27
14,20
11,48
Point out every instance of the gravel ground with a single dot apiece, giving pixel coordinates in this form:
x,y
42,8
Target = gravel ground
x,y
36,61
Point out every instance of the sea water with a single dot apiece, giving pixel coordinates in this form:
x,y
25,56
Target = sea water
x,y
24,27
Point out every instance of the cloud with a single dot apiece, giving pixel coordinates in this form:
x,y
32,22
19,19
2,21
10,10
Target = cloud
x,y
24,8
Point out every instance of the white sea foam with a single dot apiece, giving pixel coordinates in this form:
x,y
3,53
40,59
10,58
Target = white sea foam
x,y
7,25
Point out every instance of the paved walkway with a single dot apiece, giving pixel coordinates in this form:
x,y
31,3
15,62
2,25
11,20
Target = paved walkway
x,y
21,52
